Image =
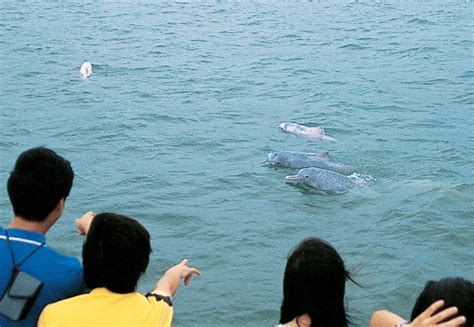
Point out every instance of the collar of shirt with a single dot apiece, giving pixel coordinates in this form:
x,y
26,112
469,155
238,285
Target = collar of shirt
x,y
22,235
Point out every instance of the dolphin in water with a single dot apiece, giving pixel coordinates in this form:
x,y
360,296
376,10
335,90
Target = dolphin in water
x,y
309,132
323,180
298,160
86,69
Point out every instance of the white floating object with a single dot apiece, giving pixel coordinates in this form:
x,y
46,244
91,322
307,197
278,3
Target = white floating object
x,y
86,69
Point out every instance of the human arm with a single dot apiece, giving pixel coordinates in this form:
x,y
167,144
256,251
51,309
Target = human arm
x,y
384,318
301,321
83,223
169,283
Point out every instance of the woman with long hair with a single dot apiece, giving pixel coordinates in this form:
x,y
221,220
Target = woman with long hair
x,y
314,286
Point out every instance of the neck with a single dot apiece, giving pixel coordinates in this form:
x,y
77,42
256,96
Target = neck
x,y
34,226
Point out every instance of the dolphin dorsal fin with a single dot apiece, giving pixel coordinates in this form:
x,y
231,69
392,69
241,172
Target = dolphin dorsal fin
x,y
323,155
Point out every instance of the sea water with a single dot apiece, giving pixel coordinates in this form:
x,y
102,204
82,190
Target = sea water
x,y
182,108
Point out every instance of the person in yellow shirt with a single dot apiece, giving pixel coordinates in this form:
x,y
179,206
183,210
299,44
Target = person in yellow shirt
x,y
115,254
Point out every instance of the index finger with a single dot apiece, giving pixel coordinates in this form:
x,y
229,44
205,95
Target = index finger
x,y
195,271
189,275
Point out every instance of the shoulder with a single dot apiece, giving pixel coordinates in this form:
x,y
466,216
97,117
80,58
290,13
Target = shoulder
x,y
61,261
56,313
154,298
162,307
62,275
56,255
65,305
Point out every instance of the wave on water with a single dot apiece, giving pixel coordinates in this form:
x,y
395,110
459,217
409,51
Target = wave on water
x,y
421,21
415,52
352,46
362,179
181,107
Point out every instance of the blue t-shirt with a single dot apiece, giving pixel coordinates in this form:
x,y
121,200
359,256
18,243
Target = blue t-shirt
x,y
61,275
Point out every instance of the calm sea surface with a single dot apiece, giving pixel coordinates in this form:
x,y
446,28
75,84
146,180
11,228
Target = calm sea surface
x,y
183,107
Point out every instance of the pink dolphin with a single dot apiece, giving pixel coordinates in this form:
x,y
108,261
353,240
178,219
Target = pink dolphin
x,y
86,69
310,132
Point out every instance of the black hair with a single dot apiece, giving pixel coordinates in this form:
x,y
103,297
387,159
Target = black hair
x,y
454,291
314,284
39,180
116,252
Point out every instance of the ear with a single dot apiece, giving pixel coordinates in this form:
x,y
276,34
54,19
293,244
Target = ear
x,y
58,210
55,214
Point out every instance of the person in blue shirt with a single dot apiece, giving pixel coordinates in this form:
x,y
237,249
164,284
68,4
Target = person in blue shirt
x,y
38,187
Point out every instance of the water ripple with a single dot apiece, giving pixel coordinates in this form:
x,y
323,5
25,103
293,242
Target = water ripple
x,y
183,104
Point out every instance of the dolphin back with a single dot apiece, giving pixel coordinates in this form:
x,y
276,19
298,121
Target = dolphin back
x,y
323,180
299,160
305,131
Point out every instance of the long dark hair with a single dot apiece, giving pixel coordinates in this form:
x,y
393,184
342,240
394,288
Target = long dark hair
x,y
314,284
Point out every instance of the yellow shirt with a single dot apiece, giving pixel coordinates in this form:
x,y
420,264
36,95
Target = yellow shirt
x,y
104,308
